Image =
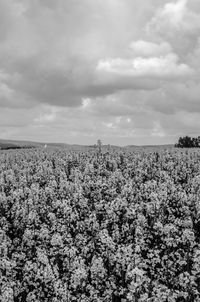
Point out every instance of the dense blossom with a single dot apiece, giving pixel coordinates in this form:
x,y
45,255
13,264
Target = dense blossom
x,y
100,226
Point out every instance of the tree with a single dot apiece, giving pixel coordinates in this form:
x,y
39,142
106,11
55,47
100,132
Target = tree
x,y
187,142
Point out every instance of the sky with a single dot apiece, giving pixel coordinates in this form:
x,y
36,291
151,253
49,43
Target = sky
x,y
123,71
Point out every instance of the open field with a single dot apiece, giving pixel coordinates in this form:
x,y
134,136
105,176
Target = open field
x,y
91,226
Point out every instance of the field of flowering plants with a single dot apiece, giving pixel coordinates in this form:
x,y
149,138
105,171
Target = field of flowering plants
x,y
100,226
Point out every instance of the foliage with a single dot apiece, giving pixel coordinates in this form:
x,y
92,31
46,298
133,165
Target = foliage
x,y
188,142
93,227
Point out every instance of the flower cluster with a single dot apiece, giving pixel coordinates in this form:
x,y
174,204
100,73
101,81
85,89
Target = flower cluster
x,y
99,227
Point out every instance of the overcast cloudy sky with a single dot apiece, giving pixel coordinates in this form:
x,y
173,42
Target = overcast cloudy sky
x,y
124,71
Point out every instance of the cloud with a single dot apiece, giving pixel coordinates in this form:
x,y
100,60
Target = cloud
x,y
172,14
5,93
64,72
157,130
47,117
150,49
51,60
178,23
77,70
159,67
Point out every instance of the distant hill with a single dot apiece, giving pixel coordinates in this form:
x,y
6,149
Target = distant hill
x,y
7,144
17,144
167,146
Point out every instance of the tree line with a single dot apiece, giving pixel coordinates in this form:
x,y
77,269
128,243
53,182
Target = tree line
x,y
188,142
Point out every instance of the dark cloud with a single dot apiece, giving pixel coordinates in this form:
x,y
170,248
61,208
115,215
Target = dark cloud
x,y
121,69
